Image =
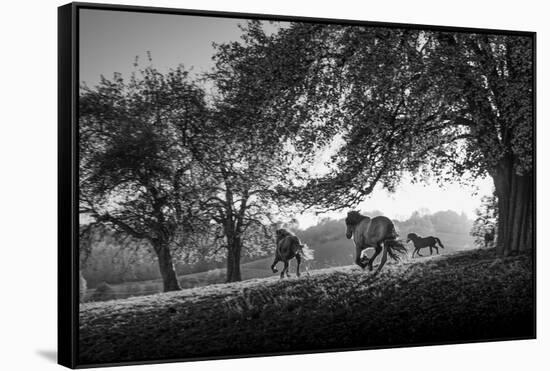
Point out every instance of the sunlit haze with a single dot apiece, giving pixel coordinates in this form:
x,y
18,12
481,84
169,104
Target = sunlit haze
x,y
409,197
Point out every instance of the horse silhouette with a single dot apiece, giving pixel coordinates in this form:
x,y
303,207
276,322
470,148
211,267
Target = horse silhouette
x,y
423,242
288,247
378,232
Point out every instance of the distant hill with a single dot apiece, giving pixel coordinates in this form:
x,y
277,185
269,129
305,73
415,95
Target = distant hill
x,y
463,296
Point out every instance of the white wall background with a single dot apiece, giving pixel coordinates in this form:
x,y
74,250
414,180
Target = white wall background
x,y
28,181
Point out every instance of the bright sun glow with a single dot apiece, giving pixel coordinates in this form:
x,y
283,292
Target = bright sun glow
x,y
411,197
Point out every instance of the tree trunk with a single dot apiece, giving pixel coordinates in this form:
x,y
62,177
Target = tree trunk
x,y
167,271
515,210
234,260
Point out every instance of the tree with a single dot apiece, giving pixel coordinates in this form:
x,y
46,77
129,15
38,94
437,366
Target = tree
x,y
494,75
240,202
136,168
244,152
440,104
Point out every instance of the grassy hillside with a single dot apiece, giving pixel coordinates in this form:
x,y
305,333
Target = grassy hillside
x,y
464,296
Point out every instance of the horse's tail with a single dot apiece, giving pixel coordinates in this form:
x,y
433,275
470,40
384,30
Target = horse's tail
x,y
277,249
395,249
393,232
439,242
306,251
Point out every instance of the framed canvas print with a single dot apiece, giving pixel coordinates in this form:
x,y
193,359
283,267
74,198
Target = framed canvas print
x,y
236,185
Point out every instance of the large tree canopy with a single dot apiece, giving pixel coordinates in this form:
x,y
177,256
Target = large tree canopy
x,y
447,105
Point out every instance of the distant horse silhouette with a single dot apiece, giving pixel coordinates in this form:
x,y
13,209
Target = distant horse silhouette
x,y
422,242
288,247
489,236
378,232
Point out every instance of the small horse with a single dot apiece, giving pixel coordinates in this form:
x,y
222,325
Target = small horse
x,y
489,236
378,232
288,247
422,242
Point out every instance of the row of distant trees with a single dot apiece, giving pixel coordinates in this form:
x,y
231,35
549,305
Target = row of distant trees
x,y
166,163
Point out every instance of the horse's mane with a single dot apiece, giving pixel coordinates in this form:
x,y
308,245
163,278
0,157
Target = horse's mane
x,y
354,218
282,233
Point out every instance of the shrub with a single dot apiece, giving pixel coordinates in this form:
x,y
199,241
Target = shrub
x,y
103,292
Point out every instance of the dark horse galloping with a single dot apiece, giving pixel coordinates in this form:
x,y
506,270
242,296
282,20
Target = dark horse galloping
x,y
422,242
288,247
378,232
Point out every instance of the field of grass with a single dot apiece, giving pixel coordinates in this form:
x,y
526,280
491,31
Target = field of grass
x,y
463,296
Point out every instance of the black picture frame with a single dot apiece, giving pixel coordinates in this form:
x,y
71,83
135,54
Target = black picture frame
x,y
68,219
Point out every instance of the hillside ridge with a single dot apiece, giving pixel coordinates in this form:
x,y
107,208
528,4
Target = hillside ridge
x,y
458,297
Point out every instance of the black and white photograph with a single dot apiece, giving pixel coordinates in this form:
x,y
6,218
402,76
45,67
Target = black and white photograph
x,y
251,185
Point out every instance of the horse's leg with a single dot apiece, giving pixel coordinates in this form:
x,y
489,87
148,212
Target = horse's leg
x,y
288,270
377,251
384,258
358,259
436,249
298,261
273,269
431,251
285,269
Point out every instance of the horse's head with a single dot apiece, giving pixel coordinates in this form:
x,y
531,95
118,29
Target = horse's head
x,y
281,233
352,220
411,236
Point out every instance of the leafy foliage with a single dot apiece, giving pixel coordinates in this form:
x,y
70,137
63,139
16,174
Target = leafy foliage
x,y
486,219
447,104
135,171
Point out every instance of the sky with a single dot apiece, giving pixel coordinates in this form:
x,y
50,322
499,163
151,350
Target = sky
x,y
111,40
